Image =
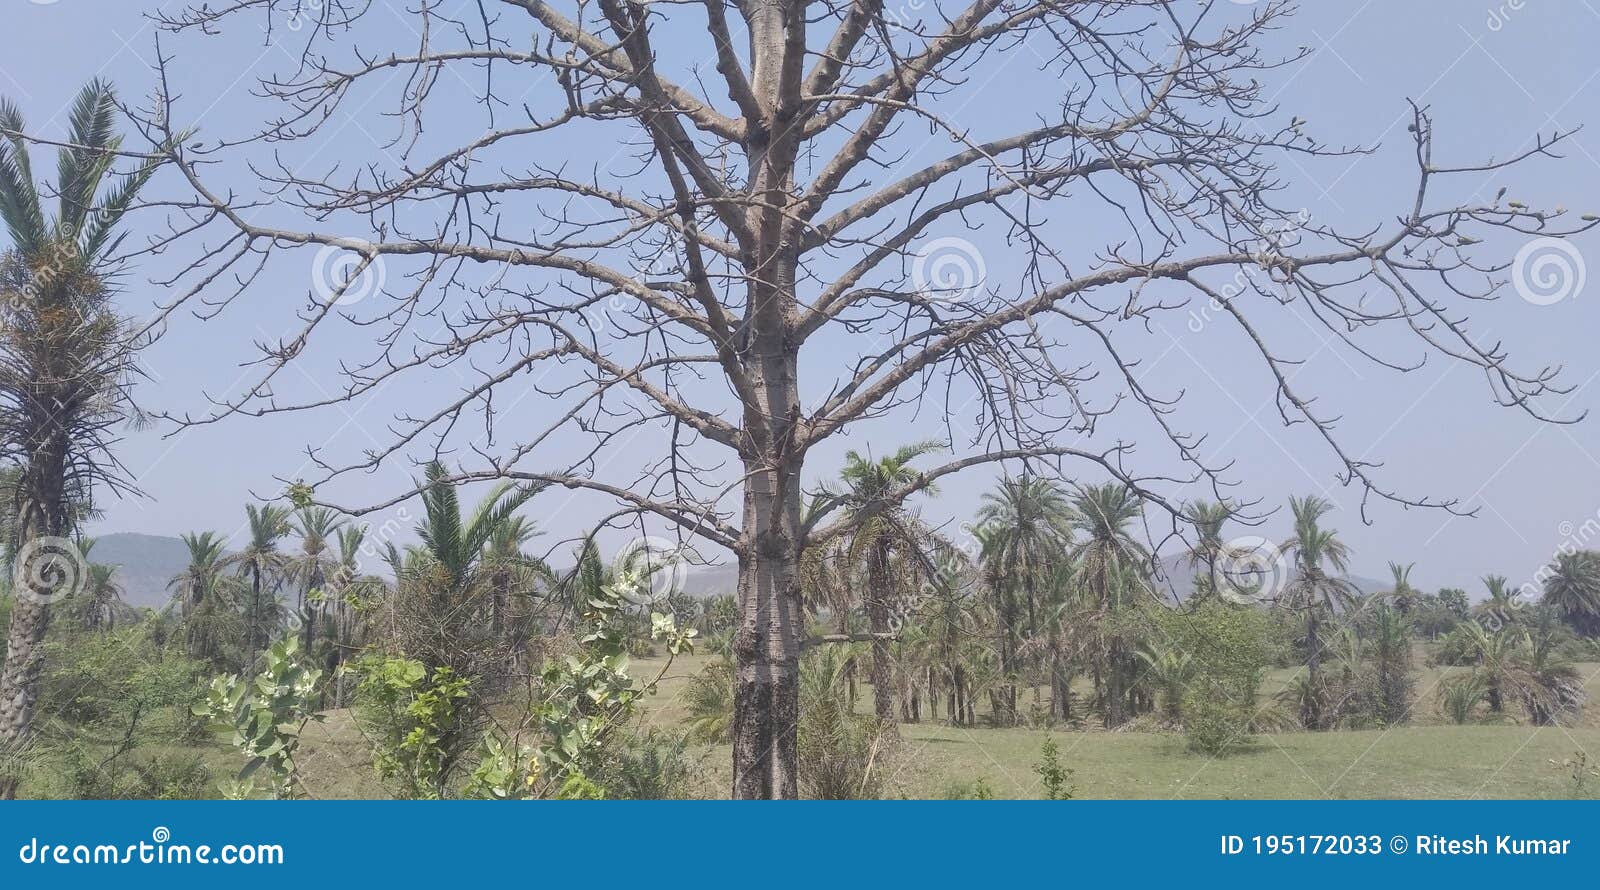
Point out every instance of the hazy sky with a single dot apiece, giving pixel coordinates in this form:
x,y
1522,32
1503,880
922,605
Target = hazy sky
x,y
1494,75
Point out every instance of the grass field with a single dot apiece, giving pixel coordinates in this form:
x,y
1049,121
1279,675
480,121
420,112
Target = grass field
x,y
1431,759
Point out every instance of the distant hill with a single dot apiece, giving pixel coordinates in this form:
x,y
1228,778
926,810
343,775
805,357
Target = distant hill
x,y
1178,577
145,564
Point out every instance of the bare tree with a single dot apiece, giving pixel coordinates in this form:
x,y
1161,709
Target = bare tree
x,y
762,270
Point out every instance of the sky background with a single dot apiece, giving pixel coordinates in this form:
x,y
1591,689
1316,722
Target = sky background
x,y
1494,75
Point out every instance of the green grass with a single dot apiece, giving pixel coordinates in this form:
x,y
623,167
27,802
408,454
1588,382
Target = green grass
x,y
1429,759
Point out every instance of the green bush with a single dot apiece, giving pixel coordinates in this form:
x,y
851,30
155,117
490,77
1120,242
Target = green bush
x,y
1214,726
977,789
1055,776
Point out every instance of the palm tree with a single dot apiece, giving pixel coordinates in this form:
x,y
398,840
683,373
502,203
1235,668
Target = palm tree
x,y
311,567
1492,654
883,527
1029,527
1168,672
97,602
514,578
1499,610
1208,518
1573,590
1403,594
65,358
1314,593
445,577
1112,568
206,599
265,565
1391,651
1550,686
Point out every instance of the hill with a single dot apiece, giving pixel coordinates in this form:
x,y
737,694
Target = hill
x,y
145,564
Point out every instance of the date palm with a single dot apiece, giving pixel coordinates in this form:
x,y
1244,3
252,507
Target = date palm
x,y
310,568
1391,653
443,585
1209,518
66,358
1401,591
1499,609
1573,590
1492,653
207,600
97,604
1315,593
1028,526
885,528
515,579
1113,572
265,564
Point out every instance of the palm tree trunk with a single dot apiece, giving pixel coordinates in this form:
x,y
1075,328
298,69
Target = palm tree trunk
x,y
1311,707
1060,684
883,683
1116,687
41,513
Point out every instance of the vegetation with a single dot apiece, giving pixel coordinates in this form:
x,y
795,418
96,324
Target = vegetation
x,y
751,240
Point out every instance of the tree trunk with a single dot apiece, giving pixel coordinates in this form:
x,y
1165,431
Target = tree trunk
x,y
766,647
766,706
883,683
1311,708
1116,687
41,514
1060,685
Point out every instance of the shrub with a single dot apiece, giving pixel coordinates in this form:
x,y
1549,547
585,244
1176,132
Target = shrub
x,y
413,721
1055,776
1216,727
976,789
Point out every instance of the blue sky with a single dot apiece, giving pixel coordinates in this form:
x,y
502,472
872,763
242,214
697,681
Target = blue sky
x,y
1493,74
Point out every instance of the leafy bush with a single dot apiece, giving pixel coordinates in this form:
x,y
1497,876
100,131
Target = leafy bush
x,y
1216,727
263,717
1055,776
413,721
